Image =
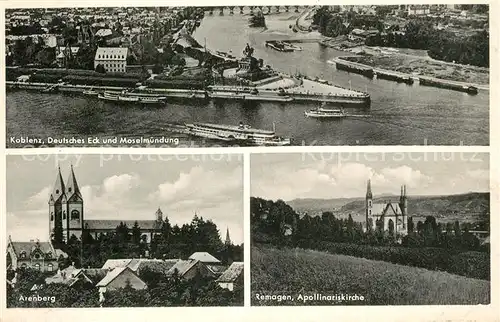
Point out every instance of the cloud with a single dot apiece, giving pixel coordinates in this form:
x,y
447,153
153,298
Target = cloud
x,y
199,187
40,199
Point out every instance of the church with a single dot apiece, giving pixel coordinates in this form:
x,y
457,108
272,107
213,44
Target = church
x,y
388,216
66,211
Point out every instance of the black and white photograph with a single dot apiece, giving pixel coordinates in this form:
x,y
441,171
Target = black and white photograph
x,y
124,230
370,229
247,76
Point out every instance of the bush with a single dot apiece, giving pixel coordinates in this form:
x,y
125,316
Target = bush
x,y
100,81
175,84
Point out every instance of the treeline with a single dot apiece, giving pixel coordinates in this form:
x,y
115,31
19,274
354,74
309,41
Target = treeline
x,y
418,33
126,242
161,292
278,224
440,44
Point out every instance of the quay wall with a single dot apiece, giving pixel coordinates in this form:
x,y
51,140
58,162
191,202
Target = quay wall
x,y
409,79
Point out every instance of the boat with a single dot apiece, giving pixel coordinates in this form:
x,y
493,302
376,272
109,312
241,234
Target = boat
x,y
49,89
279,46
132,98
325,113
90,92
241,133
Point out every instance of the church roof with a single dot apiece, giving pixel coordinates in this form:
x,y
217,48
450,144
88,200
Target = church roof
x,y
59,188
72,185
393,209
378,209
111,224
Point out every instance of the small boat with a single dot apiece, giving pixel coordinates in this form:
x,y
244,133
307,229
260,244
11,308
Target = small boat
x,y
244,134
325,113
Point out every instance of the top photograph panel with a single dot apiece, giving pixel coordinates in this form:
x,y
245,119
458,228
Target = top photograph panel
x,y
247,76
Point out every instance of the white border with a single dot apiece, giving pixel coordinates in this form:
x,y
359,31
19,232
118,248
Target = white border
x,y
383,313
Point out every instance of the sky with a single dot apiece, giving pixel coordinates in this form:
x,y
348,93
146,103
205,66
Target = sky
x,y
344,175
128,187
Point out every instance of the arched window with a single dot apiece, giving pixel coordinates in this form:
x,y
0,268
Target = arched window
x,y
37,266
51,216
75,214
23,254
37,256
369,203
64,214
57,191
50,267
69,189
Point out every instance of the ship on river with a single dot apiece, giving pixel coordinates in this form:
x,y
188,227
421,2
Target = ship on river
x,y
126,97
244,134
325,113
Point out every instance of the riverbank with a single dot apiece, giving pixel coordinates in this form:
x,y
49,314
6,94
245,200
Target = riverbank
x,y
351,64
417,63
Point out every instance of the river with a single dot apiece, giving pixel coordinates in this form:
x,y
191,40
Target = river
x,y
400,114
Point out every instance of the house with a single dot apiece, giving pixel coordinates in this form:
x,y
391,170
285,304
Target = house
x,y
139,264
118,278
72,275
37,255
188,269
232,276
114,59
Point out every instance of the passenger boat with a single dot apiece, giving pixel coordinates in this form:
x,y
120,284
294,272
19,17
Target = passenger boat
x,y
279,46
132,98
325,113
239,134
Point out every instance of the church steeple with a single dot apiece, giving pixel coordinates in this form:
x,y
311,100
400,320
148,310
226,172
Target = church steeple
x,y
72,185
369,190
228,240
159,215
58,189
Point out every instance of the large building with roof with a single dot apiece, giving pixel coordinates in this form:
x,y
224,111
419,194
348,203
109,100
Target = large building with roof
x,y
66,212
388,216
113,59
41,256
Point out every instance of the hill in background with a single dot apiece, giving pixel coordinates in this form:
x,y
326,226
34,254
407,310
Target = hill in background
x,y
469,205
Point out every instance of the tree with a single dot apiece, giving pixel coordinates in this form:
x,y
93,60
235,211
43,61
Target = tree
x,y
100,69
136,233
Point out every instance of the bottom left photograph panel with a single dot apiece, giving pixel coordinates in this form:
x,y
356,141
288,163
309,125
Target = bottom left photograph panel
x,y
124,230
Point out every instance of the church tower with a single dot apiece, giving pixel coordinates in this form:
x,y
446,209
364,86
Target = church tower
x,y
74,207
369,206
403,204
56,207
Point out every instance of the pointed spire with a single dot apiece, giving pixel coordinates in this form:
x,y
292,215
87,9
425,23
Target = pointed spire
x,y
159,214
404,190
228,240
58,189
369,190
72,185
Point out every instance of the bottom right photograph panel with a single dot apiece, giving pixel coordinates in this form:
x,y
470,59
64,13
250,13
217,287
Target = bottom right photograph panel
x,y
370,228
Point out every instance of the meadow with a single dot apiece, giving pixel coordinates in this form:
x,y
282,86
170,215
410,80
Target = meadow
x,y
279,276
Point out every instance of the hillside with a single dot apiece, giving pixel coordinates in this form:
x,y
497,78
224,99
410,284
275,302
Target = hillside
x,y
439,206
295,271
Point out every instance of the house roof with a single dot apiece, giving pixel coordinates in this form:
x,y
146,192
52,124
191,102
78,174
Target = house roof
x,y
114,263
103,32
204,257
104,224
182,267
154,265
216,269
28,247
112,275
232,273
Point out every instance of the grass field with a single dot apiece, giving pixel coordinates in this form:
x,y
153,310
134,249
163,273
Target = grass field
x,y
284,274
